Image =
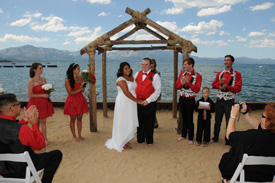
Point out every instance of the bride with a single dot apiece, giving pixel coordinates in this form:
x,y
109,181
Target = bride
x,y
125,120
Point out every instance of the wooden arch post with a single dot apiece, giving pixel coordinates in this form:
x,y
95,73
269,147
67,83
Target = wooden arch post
x,y
92,98
104,84
175,103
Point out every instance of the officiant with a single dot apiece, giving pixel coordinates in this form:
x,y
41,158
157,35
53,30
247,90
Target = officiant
x,y
189,83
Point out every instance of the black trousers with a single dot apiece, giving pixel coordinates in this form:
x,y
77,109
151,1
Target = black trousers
x,y
222,107
203,127
49,161
187,106
146,120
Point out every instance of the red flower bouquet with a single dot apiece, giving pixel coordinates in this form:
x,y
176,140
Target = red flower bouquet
x,y
88,76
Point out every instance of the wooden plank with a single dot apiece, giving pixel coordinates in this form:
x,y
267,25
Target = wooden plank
x,y
154,33
104,84
127,34
158,27
120,28
139,42
92,98
130,11
140,48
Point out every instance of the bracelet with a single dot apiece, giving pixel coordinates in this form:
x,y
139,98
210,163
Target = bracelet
x,y
233,117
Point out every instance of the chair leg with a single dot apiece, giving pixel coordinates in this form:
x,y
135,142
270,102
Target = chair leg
x,y
28,175
242,176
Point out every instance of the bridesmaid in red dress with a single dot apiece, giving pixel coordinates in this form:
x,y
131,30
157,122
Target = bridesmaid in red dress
x,y
39,97
76,104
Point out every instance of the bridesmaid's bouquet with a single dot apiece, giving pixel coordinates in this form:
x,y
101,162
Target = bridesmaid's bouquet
x,y
48,88
2,91
88,76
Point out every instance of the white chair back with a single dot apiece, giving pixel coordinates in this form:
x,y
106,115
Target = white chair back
x,y
22,157
251,160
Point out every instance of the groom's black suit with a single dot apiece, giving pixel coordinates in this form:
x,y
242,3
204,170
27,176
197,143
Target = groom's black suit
x,y
146,118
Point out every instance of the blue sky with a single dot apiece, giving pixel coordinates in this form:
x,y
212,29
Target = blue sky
x,y
216,27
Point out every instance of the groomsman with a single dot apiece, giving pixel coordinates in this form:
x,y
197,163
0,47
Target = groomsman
x,y
228,82
148,89
189,83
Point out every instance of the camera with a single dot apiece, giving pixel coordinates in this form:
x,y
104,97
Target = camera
x,y
84,85
241,106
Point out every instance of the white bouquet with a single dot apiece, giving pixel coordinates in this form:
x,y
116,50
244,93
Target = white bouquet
x,y
1,90
48,88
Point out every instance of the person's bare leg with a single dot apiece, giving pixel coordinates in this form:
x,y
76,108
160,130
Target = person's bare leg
x,y
79,126
72,126
42,123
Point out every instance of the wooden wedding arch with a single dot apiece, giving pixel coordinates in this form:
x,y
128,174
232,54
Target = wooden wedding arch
x,y
103,44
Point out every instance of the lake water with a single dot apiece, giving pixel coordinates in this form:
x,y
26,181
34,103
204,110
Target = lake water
x,y
258,82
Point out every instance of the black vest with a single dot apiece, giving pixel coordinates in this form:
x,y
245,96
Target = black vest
x,y
10,143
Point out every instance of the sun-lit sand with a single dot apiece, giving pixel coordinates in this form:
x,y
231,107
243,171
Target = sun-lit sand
x,y
167,161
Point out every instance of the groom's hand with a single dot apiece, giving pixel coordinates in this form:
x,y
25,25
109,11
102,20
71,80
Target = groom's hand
x,y
144,103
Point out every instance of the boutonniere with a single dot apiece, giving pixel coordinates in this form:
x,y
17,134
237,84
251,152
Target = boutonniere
x,y
150,78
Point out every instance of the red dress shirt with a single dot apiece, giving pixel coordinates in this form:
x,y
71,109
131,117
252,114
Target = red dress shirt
x,y
194,87
238,81
27,136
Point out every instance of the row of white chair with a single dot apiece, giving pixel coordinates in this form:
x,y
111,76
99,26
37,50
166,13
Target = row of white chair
x,y
30,169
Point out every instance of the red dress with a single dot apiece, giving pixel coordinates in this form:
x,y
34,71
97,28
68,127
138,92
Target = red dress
x,y
76,104
43,105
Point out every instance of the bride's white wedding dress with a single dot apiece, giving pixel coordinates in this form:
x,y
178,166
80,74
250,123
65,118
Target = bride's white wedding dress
x,y
125,121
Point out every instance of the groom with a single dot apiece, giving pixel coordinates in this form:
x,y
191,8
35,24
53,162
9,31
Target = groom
x,y
148,89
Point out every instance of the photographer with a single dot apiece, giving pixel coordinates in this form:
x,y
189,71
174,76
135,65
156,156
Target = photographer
x,y
254,142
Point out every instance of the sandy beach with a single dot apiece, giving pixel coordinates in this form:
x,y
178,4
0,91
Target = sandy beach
x,y
167,161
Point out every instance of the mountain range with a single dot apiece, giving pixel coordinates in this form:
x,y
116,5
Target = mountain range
x,y
39,54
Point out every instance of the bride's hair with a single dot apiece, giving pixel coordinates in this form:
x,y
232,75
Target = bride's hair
x,y
34,67
70,74
121,67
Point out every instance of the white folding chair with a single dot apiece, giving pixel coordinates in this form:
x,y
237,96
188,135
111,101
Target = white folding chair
x,y
22,157
251,160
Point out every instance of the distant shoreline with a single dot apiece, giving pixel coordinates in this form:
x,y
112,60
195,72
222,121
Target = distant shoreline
x,y
163,105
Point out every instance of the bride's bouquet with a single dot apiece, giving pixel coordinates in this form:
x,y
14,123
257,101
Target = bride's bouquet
x,y
48,88
88,76
2,91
